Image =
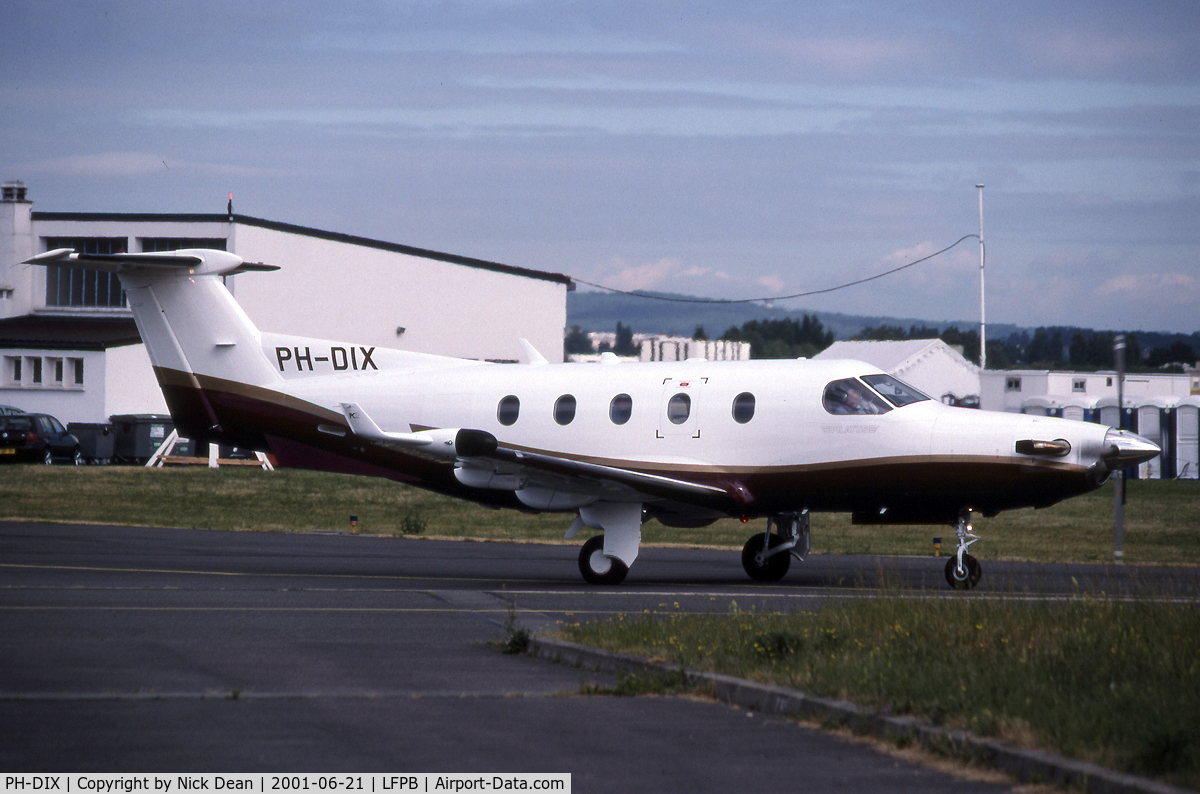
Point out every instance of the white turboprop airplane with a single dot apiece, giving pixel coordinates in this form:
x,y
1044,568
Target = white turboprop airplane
x,y
684,442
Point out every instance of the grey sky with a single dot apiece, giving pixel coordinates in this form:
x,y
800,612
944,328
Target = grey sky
x,y
725,150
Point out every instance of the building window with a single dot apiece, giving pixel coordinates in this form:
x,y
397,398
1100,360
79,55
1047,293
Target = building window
x,y
157,244
68,286
37,372
1079,385
1012,384
620,409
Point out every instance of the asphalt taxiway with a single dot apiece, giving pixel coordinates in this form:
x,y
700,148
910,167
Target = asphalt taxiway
x,y
148,649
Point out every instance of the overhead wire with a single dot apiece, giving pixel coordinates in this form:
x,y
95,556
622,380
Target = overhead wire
x,y
777,297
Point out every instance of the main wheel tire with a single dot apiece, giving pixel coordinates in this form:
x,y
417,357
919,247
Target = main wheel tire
x,y
770,569
963,580
596,567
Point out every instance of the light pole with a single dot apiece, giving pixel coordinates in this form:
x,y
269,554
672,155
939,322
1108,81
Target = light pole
x,y
1119,474
982,309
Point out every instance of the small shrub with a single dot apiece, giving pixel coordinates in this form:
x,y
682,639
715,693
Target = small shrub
x,y
413,523
777,645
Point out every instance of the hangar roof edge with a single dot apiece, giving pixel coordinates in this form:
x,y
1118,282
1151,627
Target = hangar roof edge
x,y
466,261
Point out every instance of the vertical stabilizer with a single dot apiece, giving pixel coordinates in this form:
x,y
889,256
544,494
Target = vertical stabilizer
x,y
204,348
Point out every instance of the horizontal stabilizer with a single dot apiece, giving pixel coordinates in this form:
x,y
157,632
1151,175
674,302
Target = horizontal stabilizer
x,y
191,261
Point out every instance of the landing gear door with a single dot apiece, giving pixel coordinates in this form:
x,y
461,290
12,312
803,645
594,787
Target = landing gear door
x,y
679,414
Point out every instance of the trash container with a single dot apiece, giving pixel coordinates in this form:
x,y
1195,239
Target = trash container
x,y
95,440
137,436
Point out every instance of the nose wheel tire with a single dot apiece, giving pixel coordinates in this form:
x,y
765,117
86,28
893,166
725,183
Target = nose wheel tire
x,y
596,567
964,579
765,569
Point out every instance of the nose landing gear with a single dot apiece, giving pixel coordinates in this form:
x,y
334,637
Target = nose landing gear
x,y
963,570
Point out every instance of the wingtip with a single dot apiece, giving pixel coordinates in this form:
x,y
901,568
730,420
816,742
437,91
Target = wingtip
x,y
49,256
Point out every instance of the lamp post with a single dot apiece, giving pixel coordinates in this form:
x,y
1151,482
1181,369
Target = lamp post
x,y
982,309
1119,474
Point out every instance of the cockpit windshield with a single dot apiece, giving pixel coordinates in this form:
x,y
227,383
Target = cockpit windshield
x,y
897,393
849,396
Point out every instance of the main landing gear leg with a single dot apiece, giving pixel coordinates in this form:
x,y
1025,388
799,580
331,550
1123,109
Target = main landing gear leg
x,y
605,559
962,570
767,557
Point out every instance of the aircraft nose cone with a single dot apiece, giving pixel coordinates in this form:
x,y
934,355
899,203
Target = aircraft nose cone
x,y
1123,449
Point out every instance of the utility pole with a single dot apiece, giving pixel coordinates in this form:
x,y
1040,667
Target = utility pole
x,y
1119,474
982,305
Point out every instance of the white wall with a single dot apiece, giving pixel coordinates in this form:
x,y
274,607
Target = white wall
x,y
334,290
1041,383
129,384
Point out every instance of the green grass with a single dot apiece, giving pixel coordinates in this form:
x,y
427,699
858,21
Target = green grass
x,y
1109,682
1162,518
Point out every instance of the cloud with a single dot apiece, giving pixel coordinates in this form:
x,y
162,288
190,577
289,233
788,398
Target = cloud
x,y
1171,288
619,274
105,164
772,283
1087,52
117,165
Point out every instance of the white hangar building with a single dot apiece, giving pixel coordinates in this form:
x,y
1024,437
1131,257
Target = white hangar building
x,y
69,346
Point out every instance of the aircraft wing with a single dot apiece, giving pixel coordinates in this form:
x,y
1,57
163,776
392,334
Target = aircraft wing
x,y
653,485
513,468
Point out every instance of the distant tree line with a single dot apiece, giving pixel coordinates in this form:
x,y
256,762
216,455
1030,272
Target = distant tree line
x,y
1053,347
576,341
790,338
1047,348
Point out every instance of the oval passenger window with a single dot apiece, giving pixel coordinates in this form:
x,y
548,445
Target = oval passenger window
x,y
620,409
679,408
743,408
508,410
564,409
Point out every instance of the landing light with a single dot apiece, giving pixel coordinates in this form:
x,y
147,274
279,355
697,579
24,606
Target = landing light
x,y
1056,448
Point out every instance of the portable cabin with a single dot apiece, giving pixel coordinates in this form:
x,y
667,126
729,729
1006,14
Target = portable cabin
x,y
1080,408
1187,438
1156,422
1042,405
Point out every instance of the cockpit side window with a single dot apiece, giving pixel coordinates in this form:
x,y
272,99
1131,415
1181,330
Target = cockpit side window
x,y
848,396
897,393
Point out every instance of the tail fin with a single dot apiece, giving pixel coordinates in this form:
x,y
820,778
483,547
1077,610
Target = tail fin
x,y
198,338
